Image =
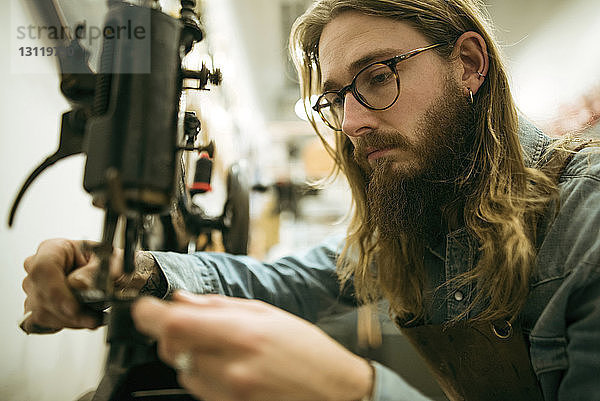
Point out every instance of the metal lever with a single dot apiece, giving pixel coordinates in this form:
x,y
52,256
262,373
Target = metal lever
x,y
71,143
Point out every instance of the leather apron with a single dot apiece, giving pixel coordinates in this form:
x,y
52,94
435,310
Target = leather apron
x,y
477,361
480,360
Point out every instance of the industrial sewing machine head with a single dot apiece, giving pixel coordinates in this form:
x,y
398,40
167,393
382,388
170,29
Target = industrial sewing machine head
x,y
129,119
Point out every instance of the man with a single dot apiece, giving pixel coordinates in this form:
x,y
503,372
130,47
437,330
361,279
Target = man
x,y
478,230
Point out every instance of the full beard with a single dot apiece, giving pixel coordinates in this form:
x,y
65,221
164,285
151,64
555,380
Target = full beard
x,y
413,199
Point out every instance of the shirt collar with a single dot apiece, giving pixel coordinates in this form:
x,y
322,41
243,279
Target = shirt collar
x,y
533,142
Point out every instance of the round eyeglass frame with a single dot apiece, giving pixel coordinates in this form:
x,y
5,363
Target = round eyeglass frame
x,y
391,63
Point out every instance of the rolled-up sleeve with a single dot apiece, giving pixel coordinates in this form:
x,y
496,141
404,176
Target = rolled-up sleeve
x,y
305,284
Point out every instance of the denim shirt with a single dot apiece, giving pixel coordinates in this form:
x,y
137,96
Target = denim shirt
x,y
561,315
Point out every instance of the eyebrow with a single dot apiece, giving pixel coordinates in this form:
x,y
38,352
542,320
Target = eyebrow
x,y
357,65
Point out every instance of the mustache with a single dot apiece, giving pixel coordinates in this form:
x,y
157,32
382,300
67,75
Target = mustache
x,y
379,140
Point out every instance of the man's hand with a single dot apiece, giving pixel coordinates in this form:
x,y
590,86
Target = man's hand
x,y
61,265
248,350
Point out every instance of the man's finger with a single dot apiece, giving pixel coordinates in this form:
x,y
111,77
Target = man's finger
x,y
48,287
40,322
206,383
82,252
148,315
168,321
218,318
29,327
28,263
213,300
207,327
27,285
83,278
217,301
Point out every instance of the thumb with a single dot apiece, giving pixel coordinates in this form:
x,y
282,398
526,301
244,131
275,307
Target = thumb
x,y
83,278
199,300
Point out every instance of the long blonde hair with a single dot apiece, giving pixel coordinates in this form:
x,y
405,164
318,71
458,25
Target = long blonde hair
x,y
506,198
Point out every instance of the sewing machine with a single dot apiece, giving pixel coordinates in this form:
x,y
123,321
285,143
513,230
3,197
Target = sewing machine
x,y
128,116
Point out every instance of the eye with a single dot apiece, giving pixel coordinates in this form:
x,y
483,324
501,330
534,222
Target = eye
x,y
337,102
382,77
332,100
376,76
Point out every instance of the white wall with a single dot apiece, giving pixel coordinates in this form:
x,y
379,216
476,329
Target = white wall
x,y
38,368
553,52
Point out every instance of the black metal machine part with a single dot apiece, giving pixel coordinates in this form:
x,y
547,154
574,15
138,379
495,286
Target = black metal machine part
x,y
131,141
127,124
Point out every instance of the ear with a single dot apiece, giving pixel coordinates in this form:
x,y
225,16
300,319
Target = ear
x,y
471,54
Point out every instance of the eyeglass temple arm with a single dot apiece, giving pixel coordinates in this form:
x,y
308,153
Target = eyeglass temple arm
x,y
417,51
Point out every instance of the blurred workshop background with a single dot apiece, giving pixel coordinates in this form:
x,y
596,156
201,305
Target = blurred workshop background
x,y
554,59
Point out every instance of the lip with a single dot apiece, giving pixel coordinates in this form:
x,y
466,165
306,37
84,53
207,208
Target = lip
x,y
375,153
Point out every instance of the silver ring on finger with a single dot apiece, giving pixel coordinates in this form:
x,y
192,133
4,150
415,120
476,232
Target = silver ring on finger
x,y
184,362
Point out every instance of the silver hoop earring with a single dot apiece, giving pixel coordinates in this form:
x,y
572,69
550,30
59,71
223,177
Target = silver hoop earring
x,y
470,95
480,75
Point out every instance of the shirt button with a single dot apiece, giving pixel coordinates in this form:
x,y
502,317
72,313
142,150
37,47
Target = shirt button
x,y
458,295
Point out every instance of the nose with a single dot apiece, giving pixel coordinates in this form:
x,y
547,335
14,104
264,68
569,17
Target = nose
x,y
358,119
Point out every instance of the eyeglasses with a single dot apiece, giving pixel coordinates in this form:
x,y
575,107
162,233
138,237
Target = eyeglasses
x,y
376,86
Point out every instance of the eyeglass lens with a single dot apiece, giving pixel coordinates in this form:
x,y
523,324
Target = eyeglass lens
x,y
375,87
